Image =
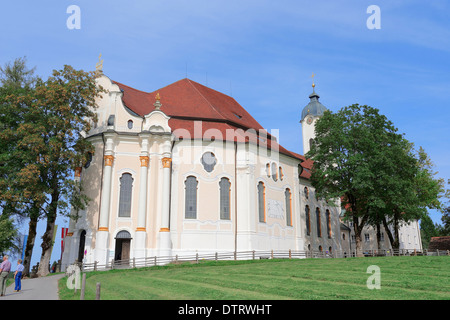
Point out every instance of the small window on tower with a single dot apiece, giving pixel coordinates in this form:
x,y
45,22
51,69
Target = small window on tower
x,y
130,124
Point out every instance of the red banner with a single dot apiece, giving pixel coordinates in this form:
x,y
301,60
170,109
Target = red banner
x,y
63,235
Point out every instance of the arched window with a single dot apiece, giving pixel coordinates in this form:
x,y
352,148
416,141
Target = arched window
x,y
288,200
281,173
308,221
311,143
320,248
261,202
319,229
224,185
328,215
126,186
130,124
306,190
268,170
191,198
123,235
274,171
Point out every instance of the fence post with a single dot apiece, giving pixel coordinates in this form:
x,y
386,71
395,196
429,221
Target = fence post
x,y
290,255
253,255
196,257
97,293
216,256
95,265
83,286
134,262
271,254
155,260
437,252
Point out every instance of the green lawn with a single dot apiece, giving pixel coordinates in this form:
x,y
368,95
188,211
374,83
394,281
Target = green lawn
x,y
401,278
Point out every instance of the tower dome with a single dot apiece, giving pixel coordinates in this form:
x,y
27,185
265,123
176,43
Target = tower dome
x,y
314,107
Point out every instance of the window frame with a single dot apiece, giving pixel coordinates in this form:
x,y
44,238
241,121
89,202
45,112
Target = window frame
x,y
261,193
125,200
308,220
318,223
194,192
328,217
287,192
222,214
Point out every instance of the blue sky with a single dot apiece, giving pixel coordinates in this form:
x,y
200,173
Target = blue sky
x,y
262,53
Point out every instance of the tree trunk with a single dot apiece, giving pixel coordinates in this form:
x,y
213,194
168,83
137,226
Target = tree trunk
x,y
394,239
47,238
396,244
358,230
30,245
47,247
378,236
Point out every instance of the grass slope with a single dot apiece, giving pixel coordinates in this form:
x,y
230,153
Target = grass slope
x,y
403,278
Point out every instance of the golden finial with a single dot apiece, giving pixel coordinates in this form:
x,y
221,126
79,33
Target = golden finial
x,y
157,104
312,76
99,65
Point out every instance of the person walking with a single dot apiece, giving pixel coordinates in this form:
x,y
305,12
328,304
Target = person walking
x,y
5,268
18,276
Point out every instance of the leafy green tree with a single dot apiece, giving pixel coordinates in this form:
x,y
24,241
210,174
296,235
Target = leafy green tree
x,y
446,222
428,229
41,143
67,103
21,191
8,234
360,158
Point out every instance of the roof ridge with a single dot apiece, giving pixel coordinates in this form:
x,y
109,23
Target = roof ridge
x,y
122,84
210,104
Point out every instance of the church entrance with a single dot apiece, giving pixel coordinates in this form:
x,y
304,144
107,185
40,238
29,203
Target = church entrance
x,y
81,246
123,244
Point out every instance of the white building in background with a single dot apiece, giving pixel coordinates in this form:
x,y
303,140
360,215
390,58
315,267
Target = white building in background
x,y
186,169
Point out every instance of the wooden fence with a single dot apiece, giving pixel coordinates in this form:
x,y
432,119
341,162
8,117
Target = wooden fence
x,y
251,255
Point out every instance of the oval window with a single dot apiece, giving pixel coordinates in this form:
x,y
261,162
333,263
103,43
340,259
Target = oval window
x,y
130,124
208,161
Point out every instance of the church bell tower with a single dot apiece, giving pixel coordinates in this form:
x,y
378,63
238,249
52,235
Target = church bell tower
x,y
310,114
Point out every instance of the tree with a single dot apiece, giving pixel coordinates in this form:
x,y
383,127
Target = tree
x,y
418,191
41,144
21,191
428,229
446,222
67,106
353,156
8,234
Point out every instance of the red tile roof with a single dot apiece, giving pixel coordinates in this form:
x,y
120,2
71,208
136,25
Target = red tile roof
x,y
439,243
187,101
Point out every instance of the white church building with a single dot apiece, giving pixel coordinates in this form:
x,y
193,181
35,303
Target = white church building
x,y
186,169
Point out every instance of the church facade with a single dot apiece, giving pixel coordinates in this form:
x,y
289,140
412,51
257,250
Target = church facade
x,y
185,169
